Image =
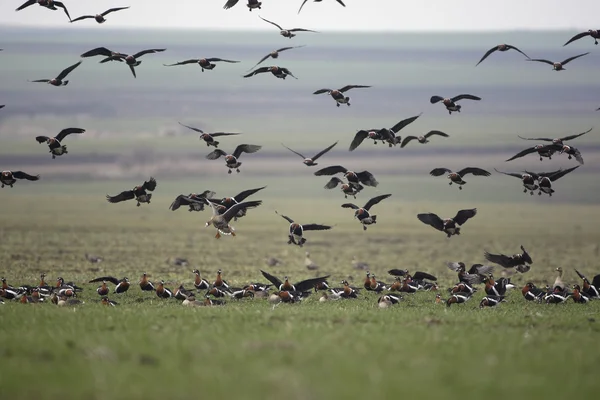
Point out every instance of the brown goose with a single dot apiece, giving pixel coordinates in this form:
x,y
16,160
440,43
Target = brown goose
x,y
58,81
450,226
338,94
209,137
457,177
221,221
99,17
500,47
231,160
9,178
203,63
55,143
362,213
296,231
275,54
385,135
450,103
593,33
278,72
354,178
310,161
288,33
139,193
131,60
252,4
49,4
558,66
423,139
317,1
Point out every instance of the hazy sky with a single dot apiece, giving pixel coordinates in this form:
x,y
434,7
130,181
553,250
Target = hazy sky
x,y
421,15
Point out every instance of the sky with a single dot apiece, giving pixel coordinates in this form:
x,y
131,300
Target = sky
x,y
396,15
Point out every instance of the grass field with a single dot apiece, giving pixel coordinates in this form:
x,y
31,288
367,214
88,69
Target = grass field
x,y
150,348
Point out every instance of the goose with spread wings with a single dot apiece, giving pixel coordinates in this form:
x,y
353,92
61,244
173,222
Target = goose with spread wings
x,y
209,137
59,80
49,4
362,213
99,17
347,188
232,160
55,143
473,275
457,177
278,72
310,161
221,221
593,33
251,4
354,178
385,135
450,103
529,182
424,138
560,140
306,285
501,47
130,59
318,1
296,230
520,262
139,193
228,202
545,179
195,201
450,226
548,150
275,54
338,94
288,33
558,66
203,63
9,178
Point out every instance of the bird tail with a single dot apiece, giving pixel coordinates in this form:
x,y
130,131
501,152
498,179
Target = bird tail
x,y
374,218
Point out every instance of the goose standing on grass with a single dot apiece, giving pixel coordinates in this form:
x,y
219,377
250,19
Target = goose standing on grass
x,y
54,143
209,137
593,33
275,54
500,47
310,161
99,17
278,72
296,231
49,4
362,213
558,66
203,63
251,4
9,178
338,94
450,226
221,221
423,139
558,282
450,103
59,80
287,33
456,177
385,135
231,160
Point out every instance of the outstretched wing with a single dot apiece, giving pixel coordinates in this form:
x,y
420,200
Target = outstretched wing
x,y
61,5
375,200
486,55
396,128
367,178
514,48
321,91
577,37
473,170
350,205
67,71
246,148
113,10
540,139
455,266
273,279
215,154
215,59
246,193
332,170
192,128
302,5
406,140
573,58
287,72
431,219
348,87
110,279
62,134
288,219
463,215
272,23
438,133
293,151
126,195
23,175
42,139
333,182
309,284
82,18
419,275
439,171
261,60
26,4
148,51
192,61
520,176
257,71
150,184
98,51
319,154
229,4
523,153
217,134
358,139
181,200
233,210
315,227
500,259
559,174
435,99
465,96
301,30
567,138
541,60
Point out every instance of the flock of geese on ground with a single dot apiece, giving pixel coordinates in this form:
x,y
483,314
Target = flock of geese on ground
x,y
350,182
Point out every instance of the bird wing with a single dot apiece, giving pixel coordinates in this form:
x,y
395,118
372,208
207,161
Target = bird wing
x,y
215,154
192,128
207,194
473,170
246,148
350,205
580,274
26,4
574,57
261,60
435,99
500,259
289,48
321,91
535,175
301,30
520,176
419,275
514,48
454,266
293,151
41,80
67,71
61,5
348,87
319,154
431,219
309,284
148,51
2,105
215,59
333,182
257,71
331,170
486,55
577,37
287,72
272,23
23,175
149,184
358,139
541,60
273,279
229,4
246,193
439,171
126,195
98,51
396,128
465,96
571,137
481,269
288,219
523,153
82,17
113,10
62,134
181,200
560,174
302,5
217,134
540,139
233,210
191,61
341,2
367,178
42,139
315,227
438,133
110,279
375,200
397,272
463,215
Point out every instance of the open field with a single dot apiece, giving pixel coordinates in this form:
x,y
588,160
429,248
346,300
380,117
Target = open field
x,y
151,347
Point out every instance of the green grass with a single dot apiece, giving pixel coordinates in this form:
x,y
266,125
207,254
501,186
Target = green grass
x,y
149,348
